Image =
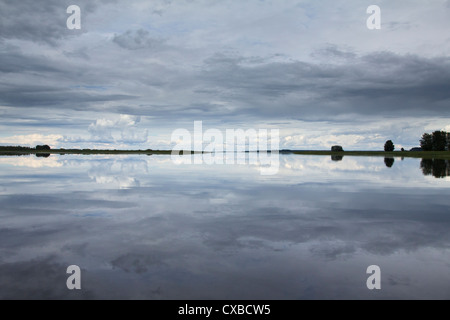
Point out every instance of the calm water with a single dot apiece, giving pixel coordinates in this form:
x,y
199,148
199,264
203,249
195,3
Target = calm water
x,y
141,227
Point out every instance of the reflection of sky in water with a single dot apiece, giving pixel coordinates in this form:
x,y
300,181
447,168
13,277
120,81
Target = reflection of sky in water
x,y
142,227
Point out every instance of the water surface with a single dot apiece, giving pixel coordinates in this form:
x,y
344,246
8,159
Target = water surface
x,y
141,227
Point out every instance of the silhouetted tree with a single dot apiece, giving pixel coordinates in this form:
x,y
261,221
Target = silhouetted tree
x,y
448,141
389,146
44,147
337,149
426,142
439,140
389,162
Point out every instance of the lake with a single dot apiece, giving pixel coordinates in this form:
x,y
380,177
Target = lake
x,y
142,227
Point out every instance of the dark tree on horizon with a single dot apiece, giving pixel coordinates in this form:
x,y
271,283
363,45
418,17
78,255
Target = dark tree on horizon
x,y
426,142
439,140
389,146
44,147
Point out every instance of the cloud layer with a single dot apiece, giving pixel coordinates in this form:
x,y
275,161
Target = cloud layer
x,y
229,63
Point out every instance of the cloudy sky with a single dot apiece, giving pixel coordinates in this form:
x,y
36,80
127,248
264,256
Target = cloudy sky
x,y
138,70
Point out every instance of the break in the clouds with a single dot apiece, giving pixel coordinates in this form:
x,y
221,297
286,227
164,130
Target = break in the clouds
x,y
309,68
103,129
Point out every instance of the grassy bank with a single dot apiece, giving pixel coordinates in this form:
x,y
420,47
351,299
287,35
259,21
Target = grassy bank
x,y
83,152
393,154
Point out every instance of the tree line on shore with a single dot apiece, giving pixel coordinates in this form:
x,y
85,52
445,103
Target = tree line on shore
x,y
436,141
25,149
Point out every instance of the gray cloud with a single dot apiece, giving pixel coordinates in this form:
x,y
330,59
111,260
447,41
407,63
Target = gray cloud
x,y
16,62
189,62
41,22
332,52
137,39
381,82
53,97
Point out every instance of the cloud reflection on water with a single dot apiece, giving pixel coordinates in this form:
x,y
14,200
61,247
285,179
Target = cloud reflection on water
x,y
141,227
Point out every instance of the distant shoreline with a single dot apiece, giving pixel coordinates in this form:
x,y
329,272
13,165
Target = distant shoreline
x,y
386,154
393,154
82,151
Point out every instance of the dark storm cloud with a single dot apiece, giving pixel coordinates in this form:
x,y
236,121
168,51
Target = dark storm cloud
x,y
34,80
380,82
168,68
11,120
53,97
13,60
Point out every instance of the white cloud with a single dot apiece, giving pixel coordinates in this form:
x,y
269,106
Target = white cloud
x,y
31,140
121,129
127,120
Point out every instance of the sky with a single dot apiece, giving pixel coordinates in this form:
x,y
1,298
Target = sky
x,y
138,70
